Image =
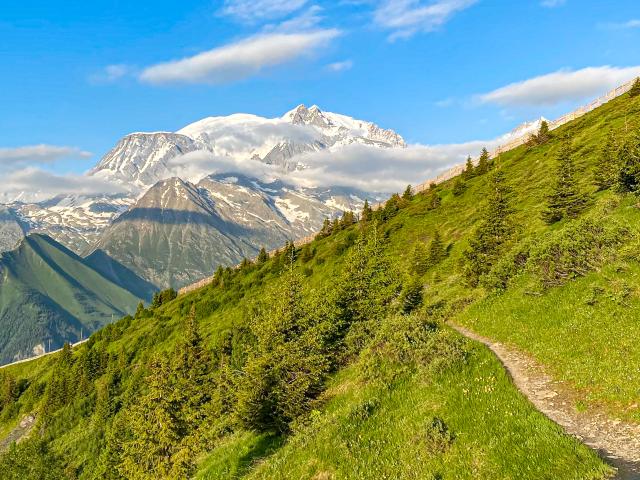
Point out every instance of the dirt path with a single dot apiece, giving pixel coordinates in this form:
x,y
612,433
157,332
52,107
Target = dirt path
x,y
20,432
616,442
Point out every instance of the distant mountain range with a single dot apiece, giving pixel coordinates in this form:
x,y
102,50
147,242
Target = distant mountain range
x,y
74,262
246,214
49,295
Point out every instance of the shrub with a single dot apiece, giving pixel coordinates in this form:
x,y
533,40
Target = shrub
x,y
574,251
438,437
409,342
508,267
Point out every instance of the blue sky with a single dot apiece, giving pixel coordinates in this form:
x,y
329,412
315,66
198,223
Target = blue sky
x,y
78,75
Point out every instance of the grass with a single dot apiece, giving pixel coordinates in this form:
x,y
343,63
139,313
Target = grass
x,y
585,332
374,430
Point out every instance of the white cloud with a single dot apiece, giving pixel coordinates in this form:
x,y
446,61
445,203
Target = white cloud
x,y
194,166
11,158
561,86
408,17
628,25
358,166
302,22
552,3
35,184
340,66
445,102
382,170
255,10
239,60
110,73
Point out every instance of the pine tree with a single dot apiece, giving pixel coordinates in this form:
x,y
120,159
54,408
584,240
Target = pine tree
x,y
420,259
326,229
192,366
434,200
348,219
285,370
459,186
607,168
635,88
139,310
629,164
366,212
437,250
411,296
408,193
153,428
565,199
483,163
469,170
494,230
263,256
543,133
366,287
391,207
289,253
307,253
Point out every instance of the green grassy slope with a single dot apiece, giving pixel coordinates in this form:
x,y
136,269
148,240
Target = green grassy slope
x,y
369,430
385,414
49,293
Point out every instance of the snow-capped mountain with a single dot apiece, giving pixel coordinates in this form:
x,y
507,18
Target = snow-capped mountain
x,y
526,128
76,221
143,159
178,232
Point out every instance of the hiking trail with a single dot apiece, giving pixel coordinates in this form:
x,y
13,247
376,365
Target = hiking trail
x,y
617,442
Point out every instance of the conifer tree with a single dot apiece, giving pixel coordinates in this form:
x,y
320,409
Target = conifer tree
x,y
139,310
307,253
154,428
391,207
635,88
434,200
326,229
285,370
565,199
607,168
366,211
436,250
365,289
420,259
459,186
494,230
629,164
263,256
483,163
289,253
411,296
192,366
408,193
218,277
543,133
469,170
